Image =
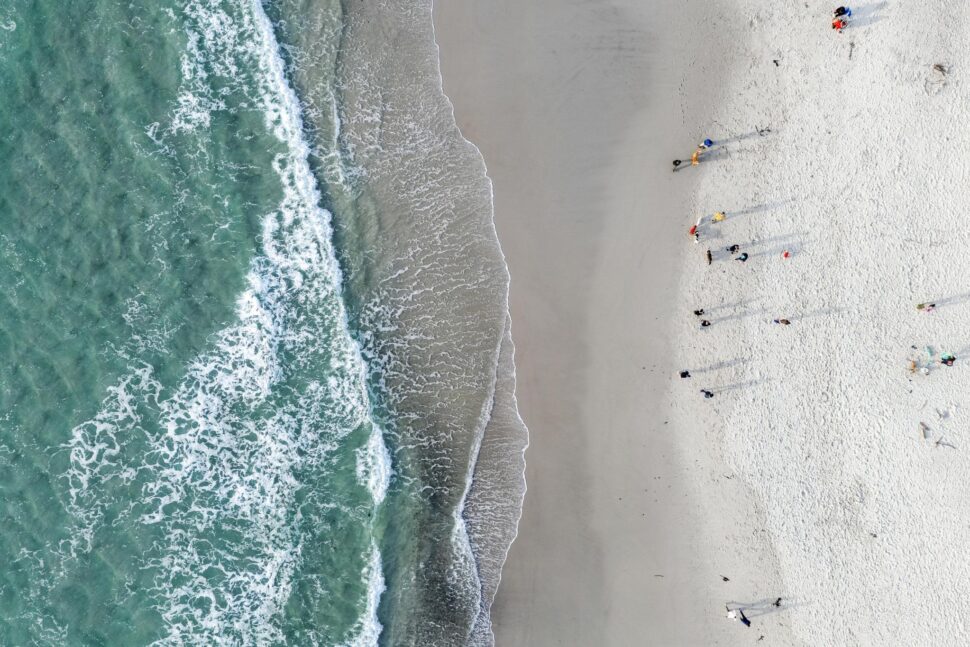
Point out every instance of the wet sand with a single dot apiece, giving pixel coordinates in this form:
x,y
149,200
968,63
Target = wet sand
x,y
578,109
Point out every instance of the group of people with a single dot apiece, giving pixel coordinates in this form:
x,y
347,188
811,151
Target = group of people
x,y
718,216
840,18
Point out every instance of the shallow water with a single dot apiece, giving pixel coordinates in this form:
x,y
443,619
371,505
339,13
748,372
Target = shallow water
x,y
252,322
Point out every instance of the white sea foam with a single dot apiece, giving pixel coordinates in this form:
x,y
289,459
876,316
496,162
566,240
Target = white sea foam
x,y
374,465
244,422
368,629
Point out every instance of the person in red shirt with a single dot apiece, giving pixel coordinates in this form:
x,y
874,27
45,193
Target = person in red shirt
x,y
839,24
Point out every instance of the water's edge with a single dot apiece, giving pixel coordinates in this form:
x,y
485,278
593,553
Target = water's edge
x,y
501,456
427,287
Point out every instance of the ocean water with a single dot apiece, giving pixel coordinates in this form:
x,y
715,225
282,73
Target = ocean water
x,y
256,383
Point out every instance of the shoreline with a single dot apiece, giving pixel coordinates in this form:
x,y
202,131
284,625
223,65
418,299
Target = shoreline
x,y
614,530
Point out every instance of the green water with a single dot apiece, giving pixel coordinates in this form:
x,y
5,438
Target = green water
x,y
252,312
150,415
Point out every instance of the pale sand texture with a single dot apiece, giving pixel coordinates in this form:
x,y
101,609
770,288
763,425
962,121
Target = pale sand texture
x,y
578,108
865,179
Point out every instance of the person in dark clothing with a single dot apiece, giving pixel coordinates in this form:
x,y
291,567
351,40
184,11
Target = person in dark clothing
x,y
842,11
744,618
699,312
743,257
707,394
684,374
783,322
778,602
948,360
733,249
710,259
705,323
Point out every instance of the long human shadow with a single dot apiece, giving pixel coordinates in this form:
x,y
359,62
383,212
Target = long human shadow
x,y
767,206
786,242
720,366
740,385
739,315
772,245
734,139
728,306
720,151
952,301
711,155
762,607
821,312
866,15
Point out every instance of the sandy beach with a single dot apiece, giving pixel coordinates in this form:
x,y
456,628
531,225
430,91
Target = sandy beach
x,y
578,110
808,475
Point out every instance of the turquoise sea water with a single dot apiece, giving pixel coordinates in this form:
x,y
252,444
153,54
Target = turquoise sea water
x,y
253,329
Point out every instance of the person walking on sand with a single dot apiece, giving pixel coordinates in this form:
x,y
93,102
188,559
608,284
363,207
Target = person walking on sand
x,y
710,259
783,322
744,618
705,323
695,159
778,602
743,257
707,394
733,249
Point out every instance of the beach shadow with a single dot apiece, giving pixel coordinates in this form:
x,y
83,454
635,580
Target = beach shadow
x,y
821,312
757,132
761,208
710,234
739,315
731,306
775,245
740,385
866,15
720,366
952,301
715,154
720,151
762,607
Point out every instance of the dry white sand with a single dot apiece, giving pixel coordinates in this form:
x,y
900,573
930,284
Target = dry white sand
x,y
807,476
863,178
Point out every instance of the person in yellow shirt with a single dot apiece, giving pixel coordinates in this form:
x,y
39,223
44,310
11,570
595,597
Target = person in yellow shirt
x,y
718,216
